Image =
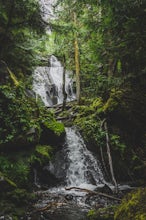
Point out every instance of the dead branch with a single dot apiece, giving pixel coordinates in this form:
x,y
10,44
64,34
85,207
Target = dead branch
x,y
93,193
109,156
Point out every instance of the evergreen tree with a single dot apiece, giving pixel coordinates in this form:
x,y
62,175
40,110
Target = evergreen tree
x,y
21,25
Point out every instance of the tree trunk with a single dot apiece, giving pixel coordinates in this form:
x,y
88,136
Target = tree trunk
x,y
109,157
77,65
63,88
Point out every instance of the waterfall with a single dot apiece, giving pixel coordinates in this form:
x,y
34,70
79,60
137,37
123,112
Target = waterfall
x,y
48,81
83,167
76,164
46,8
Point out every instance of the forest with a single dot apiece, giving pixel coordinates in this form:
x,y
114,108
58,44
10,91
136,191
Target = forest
x,y
103,44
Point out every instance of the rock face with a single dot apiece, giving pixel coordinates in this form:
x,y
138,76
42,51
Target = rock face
x,y
52,134
46,178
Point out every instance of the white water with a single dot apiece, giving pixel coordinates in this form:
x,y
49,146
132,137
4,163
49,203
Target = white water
x,y
46,8
77,165
48,83
83,167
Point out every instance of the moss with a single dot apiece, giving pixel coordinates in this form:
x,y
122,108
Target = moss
x,y
56,127
113,101
102,213
44,151
133,207
41,155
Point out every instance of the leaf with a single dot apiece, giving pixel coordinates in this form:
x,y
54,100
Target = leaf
x,y
13,77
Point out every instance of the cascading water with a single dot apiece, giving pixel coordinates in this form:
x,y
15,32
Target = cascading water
x,y
75,164
46,8
76,168
83,169
48,83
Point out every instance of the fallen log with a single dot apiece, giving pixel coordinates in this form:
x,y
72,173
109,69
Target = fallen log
x,y
50,206
68,103
94,193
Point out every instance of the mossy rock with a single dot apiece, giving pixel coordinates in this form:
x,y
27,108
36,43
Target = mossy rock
x,y
53,133
133,207
41,155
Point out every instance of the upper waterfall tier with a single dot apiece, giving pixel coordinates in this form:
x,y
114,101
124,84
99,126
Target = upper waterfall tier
x,y
48,83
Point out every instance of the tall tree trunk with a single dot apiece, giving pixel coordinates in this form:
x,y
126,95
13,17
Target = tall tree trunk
x,y
110,157
63,88
77,65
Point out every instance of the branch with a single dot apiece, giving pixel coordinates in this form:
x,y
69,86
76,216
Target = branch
x,y
94,193
109,156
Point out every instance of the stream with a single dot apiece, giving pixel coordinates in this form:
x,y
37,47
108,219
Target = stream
x,y
74,166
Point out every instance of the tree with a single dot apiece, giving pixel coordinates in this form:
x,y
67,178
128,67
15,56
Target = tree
x,y
21,26
66,27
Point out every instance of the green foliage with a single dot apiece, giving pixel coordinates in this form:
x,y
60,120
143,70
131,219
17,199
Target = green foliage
x,y
21,28
20,196
17,114
44,150
56,127
41,155
91,214
114,101
10,182
102,213
14,203
117,144
15,171
133,206
90,121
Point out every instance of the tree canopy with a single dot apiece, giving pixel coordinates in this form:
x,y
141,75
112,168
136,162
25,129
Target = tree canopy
x,y
21,27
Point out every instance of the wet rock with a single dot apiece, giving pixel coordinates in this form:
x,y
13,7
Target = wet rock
x,y
47,178
7,217
105,189
69,197
53,136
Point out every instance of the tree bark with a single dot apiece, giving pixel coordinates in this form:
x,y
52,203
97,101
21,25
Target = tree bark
x,y
63,88
109,157
77,65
